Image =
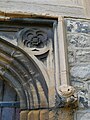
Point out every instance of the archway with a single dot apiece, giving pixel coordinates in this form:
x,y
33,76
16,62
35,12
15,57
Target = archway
x,y
24,75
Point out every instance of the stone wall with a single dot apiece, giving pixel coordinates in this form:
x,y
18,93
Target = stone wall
x,y
78,41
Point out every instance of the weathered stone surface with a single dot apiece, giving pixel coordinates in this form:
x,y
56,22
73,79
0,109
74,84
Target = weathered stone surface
x,y
34,115
71,56
52,114
85,116
61,114
83,98
65,114
87,8
78,40
80,71
44,115
59,7
82,115
66,96
77,83
78,26
82,91
23,115
67,2
82,56
66,90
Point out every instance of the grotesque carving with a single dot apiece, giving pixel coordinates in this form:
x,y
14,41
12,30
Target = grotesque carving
x,y
66,90
67,95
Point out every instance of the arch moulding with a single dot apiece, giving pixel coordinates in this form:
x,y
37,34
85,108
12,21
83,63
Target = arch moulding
x,y
38,86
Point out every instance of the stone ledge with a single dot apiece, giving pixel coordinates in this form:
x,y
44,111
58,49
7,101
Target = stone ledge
x,y
25,7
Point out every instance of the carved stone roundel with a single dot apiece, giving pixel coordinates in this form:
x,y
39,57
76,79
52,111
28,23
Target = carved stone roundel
x,y
34,38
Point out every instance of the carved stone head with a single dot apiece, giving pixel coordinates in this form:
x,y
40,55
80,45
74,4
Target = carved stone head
x,y
66,90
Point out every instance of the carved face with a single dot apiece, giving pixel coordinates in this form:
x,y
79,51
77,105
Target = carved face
x,y
66,90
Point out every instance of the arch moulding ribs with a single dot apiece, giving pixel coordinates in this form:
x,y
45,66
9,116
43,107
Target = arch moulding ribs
x,y
62,75
61,64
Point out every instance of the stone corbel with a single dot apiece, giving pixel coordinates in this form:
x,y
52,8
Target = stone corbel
x,y
65,94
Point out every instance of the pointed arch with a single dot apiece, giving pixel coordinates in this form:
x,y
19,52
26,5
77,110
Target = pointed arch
x,y
22,72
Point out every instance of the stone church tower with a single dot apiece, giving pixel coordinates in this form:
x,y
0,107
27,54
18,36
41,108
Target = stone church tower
x,y
44,59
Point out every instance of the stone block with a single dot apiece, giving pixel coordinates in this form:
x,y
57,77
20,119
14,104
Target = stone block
x,y
23,115
44,115
87,7
78,26
71,57
51,115
58,7
34,115
82,55
78,40
82,115
57,2
81,71
77,83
